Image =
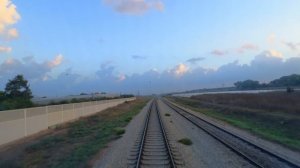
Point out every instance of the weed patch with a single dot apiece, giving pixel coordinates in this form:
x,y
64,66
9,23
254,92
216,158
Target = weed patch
x,y
119,131
185,141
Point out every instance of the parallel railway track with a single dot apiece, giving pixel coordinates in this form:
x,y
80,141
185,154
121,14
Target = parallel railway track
x,y
254,154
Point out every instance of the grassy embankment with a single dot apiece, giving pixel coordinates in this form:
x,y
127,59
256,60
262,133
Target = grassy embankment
x,y
273,116
74,144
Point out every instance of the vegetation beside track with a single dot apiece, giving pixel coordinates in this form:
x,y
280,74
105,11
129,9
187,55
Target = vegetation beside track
x,y
281,126
74,144
185,141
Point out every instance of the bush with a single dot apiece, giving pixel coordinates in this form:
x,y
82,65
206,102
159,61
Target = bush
x,y
126,95
2,96
64,102
74,100
128,119
247,84
119,131
15,103
185,141
289,90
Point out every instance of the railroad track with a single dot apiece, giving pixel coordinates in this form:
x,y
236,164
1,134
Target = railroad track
x,y
254,154
153,148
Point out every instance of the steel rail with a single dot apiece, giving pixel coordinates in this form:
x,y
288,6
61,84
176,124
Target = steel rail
x,y
173,165
138,163
154,106
252,161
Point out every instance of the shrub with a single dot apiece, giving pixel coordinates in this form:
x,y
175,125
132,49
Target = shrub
x,y
128,119
74,100
15,103
64,102
289,90
119,131
185,141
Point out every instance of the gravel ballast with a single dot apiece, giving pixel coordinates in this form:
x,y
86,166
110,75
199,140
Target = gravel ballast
x,y
117,152
275,148
205,150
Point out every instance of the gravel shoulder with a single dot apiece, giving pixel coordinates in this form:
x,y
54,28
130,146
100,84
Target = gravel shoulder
x,y
205,151
270,146
117,152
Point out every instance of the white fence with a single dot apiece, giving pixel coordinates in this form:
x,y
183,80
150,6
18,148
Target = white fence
x,y
16,124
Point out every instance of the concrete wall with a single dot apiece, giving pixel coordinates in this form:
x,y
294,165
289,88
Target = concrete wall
x,y
16,124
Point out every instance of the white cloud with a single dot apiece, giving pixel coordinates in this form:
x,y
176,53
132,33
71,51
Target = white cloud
x,y
4,49
180,70
121,77
31,69
56,61
12,33
273,53
8,15
135,7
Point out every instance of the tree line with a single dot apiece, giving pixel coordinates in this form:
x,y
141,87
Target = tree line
x,y
285,81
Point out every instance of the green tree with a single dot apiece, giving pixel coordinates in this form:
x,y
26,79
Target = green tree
x,y
18,88
2,96
247,84
17,94
285,81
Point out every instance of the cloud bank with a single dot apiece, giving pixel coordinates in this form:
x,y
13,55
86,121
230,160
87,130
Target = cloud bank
x,y
30,68
264,67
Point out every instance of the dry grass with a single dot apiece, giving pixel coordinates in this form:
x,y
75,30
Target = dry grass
x,y
274,116
273,101
73,144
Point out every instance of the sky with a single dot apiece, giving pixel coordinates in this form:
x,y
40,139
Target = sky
x,y
146,46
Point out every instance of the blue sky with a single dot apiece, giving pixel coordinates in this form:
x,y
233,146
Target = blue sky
x,y
113,41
